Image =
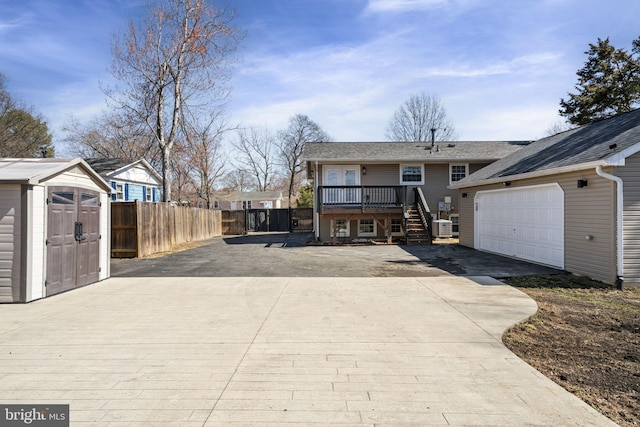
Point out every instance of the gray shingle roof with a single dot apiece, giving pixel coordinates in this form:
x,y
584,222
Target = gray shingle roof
x,y
410,151
585,145
105,165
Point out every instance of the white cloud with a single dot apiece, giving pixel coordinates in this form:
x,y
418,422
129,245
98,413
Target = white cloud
x,y
352,90
403,5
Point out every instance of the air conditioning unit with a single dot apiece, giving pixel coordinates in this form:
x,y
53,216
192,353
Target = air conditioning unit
x,y
442,228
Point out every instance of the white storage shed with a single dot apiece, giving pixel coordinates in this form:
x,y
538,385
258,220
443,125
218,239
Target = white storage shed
x,y
54,227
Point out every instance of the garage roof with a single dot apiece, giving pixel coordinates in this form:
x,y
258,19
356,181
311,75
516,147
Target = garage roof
x,y
35,171
442,152
606,142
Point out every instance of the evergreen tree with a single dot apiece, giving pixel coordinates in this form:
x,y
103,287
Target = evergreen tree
x,y
608,84
305,199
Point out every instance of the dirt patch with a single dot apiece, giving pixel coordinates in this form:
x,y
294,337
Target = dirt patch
x,y
586,337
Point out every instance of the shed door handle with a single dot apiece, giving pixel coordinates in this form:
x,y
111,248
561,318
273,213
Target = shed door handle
x,y
78,232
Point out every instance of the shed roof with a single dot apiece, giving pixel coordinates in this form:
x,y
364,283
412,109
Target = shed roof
x,y
453,151
606,142
33,171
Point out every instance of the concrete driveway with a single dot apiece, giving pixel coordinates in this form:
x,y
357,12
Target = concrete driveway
x,y
271,351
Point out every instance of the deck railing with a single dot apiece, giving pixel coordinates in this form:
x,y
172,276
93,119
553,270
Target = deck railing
x,y
362,197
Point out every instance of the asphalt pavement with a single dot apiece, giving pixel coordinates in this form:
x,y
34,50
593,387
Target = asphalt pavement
x,y
288,255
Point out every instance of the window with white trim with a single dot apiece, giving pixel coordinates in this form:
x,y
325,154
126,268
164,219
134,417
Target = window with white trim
x,y
119,191
341,226
396,226
458,171
411,174
366,227
149,194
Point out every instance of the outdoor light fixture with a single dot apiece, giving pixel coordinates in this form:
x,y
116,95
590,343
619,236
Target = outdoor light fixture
x,y
464,195
582,183
364,170
507,183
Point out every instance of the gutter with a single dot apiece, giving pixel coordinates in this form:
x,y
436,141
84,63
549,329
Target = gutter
x,y
536,174
619,224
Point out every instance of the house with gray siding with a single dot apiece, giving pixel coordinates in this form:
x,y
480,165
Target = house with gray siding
x,y
385,190
571,201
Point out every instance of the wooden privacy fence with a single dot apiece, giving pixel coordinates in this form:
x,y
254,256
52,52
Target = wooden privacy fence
x,y
233,223
142,228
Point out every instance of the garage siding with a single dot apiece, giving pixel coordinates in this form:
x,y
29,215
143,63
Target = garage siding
x,y
10,242
589,211
630,173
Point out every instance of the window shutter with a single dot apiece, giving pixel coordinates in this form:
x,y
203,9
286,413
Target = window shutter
x,y
144,193
126,192
113,195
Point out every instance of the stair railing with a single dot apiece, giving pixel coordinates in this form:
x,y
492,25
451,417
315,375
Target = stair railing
x,y
423,210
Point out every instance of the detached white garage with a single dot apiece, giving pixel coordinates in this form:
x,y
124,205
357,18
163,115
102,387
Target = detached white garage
x,y
54,227
523,222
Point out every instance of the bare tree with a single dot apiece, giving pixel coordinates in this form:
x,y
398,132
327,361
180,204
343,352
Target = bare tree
x,y
183,185
256,149
238,180
420,118
204,154
291,143
111,135
558,127
176,60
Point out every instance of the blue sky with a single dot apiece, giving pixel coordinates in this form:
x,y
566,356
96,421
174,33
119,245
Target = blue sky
x,y
500,67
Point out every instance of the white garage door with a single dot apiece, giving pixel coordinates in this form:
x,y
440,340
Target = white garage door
x,y
525,222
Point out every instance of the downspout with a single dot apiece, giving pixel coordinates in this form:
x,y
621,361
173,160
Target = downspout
x,y
316,216
619,224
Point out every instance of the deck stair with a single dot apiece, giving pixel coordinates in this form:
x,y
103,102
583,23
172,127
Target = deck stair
x,y
416,232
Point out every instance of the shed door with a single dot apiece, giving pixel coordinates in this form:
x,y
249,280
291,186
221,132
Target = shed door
x,y
89,244
525,222
73,247
61,243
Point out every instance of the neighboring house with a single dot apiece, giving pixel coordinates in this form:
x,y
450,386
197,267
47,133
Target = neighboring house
x,y
367,190
130,181
54,227
240,200
571,201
